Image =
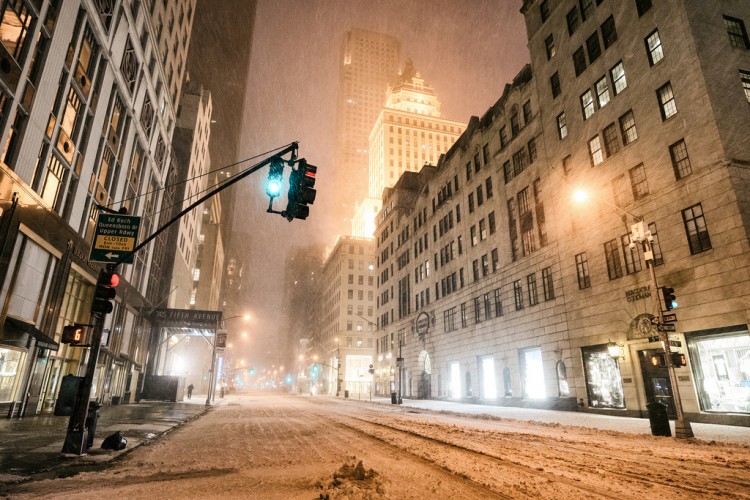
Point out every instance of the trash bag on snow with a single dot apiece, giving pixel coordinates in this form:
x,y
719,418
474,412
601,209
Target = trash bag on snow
x,y
114,442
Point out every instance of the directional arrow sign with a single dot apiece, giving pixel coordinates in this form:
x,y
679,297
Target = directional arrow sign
x,y
115,237
666,328
669,318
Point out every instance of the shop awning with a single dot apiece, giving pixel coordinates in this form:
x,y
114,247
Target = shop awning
x,y
42,340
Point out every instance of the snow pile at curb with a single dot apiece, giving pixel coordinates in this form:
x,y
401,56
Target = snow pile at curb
x,y
353,482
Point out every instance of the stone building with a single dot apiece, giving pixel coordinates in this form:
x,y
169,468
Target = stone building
x,y
544,287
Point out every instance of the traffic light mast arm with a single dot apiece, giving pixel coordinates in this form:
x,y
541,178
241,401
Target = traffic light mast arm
x,y
292,148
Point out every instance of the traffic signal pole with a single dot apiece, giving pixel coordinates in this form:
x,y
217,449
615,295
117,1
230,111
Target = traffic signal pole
x,y
76,439
682,428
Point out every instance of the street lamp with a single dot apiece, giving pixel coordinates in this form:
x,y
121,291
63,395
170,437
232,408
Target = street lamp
x,y
338,367
211,375
640,235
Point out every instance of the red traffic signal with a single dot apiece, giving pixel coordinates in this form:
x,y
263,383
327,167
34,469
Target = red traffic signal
x,y
73,335
105,292
301,191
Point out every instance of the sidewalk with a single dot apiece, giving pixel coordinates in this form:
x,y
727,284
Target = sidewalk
x,y
33,445
705,432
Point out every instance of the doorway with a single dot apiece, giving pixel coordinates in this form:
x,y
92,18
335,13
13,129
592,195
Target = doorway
x,y
656,381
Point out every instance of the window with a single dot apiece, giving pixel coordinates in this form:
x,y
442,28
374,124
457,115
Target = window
x,y
532,151
491,221
498,303
503,137
482,230
485,266
485,159
549,44
593,47
612,253
638,181
477,310
609,32
526,112
611,142
666,101
531,284
573,20
745,79
643,6
449,319
16,20
627,127
507,172
544,10
477,163
463,315
632,256
518,294
488,187
515,127
653,47
587,8
680,159
619,81
602,92
547,284
587,104
582,270
619,191
562,128
579,61
655,246
471,203
555,85
520,161
495,259
696,230
595,151
475,269
736,31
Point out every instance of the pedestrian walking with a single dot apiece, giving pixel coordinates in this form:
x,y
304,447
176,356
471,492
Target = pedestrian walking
x,y
190,391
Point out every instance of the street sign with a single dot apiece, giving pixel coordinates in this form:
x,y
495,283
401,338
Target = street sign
x,y
221,339
654,339
115,238
668,318
666,328
675,343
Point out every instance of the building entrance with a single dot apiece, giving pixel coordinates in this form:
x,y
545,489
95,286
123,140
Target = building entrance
x,y
656,380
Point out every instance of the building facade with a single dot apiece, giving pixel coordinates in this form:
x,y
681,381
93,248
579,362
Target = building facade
x,y
88,114
544,287
341,346
368,63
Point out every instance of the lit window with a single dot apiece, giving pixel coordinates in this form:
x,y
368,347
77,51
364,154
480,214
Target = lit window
x,y
745,78
627,127
602,91
562,127
653,46
680,159
587,104
666,101
618,78
737,33
595,151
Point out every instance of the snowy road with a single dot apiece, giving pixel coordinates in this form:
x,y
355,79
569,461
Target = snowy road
x,y
299,447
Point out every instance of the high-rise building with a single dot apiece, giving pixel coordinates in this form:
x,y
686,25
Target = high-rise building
x,y
368,63
90,94
407,134
517,296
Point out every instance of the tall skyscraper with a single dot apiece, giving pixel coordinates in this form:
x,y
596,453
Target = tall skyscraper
x,y
407,134
369,62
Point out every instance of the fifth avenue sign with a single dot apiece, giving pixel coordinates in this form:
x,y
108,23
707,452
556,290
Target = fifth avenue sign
x,y
115,238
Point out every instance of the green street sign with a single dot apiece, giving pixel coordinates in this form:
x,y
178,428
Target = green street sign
x,y
115,237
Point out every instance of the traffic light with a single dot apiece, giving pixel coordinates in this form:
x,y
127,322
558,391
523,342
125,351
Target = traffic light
x,y
73,335
314,371
275,179
105,292
371,370
670,301
252,371
301,190
679,359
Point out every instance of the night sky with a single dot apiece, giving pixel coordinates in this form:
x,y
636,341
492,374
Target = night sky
x,y
467,50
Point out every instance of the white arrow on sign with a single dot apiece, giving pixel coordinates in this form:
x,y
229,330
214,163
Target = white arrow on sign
x,y
111,255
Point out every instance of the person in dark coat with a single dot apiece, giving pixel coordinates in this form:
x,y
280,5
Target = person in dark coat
x,y
190,391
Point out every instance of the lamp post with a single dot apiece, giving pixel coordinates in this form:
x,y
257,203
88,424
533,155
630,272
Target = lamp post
x,y
211,374
640,235
338,367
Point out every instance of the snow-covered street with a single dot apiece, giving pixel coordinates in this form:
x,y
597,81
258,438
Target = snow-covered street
x,y
267,446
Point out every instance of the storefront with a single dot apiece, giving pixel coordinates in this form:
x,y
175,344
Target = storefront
x,y
720,361
603,380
